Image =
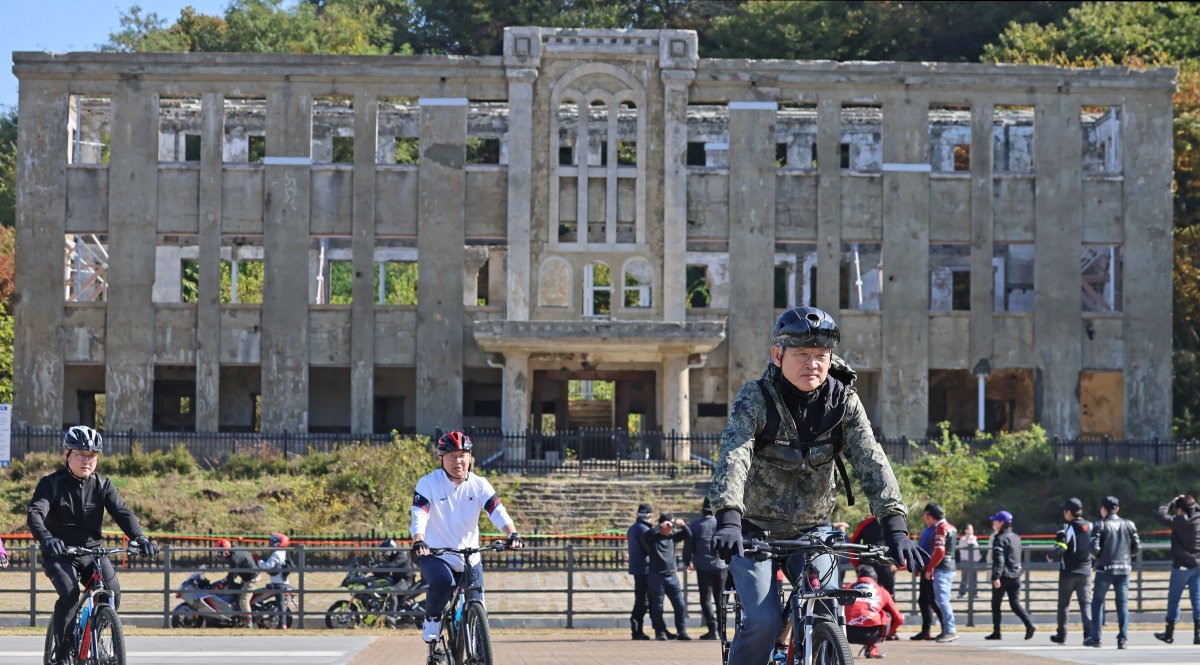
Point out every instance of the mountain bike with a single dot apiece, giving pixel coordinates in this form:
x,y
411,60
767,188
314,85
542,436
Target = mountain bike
x,y
99,638
812,634
465,638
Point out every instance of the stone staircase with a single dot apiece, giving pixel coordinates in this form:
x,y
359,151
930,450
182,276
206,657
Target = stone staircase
x,y
570,505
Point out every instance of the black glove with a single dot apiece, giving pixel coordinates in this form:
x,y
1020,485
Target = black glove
x,y
514,541
54,547
419,549
727,539
900,547
148,548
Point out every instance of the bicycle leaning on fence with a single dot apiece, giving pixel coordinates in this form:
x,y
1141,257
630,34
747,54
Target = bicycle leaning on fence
x,y
99,638
811,633
466,638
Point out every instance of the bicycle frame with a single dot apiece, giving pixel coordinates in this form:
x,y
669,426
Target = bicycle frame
x,y
467,591
94,595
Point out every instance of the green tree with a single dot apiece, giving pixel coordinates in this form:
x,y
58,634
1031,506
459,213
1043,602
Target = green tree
x,y
8,167
1141,34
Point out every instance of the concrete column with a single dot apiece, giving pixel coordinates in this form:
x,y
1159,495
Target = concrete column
x,y
1058,282
674,284
520,190
829,204
982,244
40,236
751,239
132,237
362,308
287,187
905,298
676,401
441,237
1146,136
208,305
518,388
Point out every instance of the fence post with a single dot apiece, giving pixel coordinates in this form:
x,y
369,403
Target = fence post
x,y
300,565
570,585
33,565
970,568
1140,567
166,585
1026,556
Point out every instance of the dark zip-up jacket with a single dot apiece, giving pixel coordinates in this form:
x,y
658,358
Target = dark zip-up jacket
x,y
1006,555
639,561
662,548
698,551
1071,545
72,510
246,566
1114,542
1185,536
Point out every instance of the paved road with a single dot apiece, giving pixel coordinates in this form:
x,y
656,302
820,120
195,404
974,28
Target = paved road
x,y
224,649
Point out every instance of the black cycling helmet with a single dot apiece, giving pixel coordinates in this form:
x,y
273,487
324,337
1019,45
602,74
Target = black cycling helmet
x,y
452,441
387,544
806,326
82,437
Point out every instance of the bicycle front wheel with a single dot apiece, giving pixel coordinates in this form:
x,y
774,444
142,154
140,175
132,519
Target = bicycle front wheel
x,y
51,644
109,637
477,637
829,645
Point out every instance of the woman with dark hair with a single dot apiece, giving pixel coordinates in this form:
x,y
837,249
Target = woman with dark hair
x,y
1006,573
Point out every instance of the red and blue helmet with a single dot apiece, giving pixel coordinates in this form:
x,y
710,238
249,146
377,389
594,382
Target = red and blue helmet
x,y
453,441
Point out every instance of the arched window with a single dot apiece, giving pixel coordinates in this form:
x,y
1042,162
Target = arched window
x,y
597,290
636,284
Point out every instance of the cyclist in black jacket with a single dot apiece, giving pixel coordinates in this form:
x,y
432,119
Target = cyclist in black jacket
x,y
67,510
1183,516
1071,550
1114,542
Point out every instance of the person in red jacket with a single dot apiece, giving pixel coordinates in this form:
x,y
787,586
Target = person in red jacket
x,y
872,619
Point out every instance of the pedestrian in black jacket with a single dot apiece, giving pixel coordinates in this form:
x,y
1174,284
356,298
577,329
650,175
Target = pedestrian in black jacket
x,y
1006,573
1071,550
660,545
698,555
1114,542
1182,514
639,567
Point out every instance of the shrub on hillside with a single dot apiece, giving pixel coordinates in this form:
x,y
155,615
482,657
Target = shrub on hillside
x,y
383,476
155,463
252,465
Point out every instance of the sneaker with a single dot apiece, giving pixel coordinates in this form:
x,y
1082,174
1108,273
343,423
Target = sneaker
x,y
640,636
994,636
923,635
872,651
710,635
1120,643
683,636
946,637
1091,642
430,630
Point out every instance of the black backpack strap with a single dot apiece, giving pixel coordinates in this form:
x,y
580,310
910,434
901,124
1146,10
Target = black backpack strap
x,y
841,466
771,428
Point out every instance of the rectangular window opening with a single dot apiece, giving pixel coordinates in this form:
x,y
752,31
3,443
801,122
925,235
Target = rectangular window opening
x,y
1012,274
333,130
89,129
483,151
781,155
179,126
861,276
191,148
86,267
176,269
399,283
626,153
245,130
696,155
1012,139
1102,268
949,278
862,136
698,289
949,132
241,270
397,126
1101,127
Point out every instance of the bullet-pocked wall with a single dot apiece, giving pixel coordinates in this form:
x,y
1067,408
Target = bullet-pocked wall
x,y
373,243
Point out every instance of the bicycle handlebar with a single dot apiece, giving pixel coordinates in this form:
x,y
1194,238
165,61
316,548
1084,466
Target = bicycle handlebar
x,y
495,546
777,548
132,550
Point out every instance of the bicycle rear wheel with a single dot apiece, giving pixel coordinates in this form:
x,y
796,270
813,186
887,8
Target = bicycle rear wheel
x,y
477,637
109,648
729,617
829,644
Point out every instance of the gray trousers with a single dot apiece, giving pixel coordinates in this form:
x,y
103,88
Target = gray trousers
x,y
1078,586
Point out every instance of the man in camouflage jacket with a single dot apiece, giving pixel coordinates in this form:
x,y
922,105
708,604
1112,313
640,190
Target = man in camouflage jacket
x,y
783,485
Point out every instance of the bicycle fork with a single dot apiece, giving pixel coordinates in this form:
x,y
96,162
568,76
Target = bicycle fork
x,y
83,629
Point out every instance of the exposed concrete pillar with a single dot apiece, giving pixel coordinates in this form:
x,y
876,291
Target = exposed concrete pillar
x,y
362,307
905,298
497,259
132,237
1058,281
676,401
1146,137
441,235
518,388
287,187
982,238
829,204
674,283
751,239
208,305
41,231
520,187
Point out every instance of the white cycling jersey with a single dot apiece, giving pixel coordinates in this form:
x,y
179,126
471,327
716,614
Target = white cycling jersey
x,y
277,559
448,514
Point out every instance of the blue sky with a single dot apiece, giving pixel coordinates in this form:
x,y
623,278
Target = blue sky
x,y
59,26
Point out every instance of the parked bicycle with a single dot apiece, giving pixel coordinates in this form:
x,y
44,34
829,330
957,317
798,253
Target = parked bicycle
x,y
812,634
466,638
379,598
99,638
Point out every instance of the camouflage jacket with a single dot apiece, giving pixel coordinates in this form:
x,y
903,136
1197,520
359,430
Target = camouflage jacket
x,y
779,490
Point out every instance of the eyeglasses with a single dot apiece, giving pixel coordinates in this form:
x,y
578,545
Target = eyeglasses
x,y
808,357
87,457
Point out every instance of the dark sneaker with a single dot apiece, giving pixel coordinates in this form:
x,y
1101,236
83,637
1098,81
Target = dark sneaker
x,y
710,635
1120,644
921,636
640,636
1091,642
683,636
1059,638
994,636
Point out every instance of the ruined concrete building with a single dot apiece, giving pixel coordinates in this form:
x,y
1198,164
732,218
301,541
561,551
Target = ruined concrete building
x,y
309,243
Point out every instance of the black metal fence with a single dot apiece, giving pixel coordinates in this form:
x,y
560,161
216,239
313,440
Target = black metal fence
x,y
579,451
